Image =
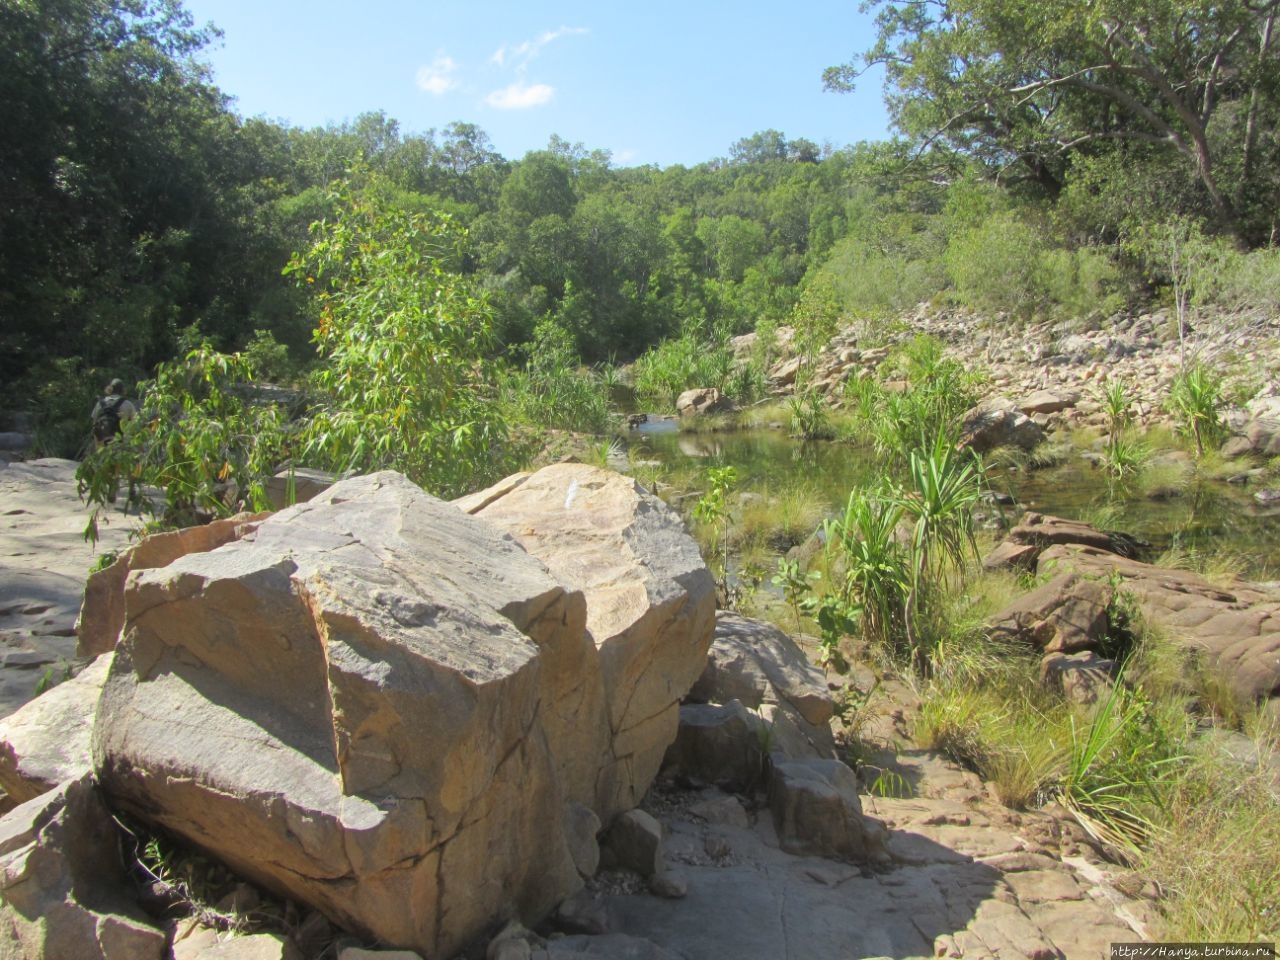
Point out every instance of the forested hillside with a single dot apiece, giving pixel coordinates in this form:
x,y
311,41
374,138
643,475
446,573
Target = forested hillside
x,y
1056,161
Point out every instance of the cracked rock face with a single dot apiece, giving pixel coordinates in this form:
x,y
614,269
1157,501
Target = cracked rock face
x,y
650,609
377,705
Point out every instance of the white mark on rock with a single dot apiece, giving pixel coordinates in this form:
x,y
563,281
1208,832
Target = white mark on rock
x,y
573,492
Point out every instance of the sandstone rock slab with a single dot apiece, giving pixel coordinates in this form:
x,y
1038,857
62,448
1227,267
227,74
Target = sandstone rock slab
x,y
102,612
1065,615
61,883
49,741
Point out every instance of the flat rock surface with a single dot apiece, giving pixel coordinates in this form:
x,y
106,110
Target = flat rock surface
x,y
966,877
44,561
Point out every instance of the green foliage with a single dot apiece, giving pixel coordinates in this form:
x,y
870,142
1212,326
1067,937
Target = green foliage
x,y
794,585
554,390
876,568
995,266
402,337
63,392
674,366
890,582
1195,399
938,391
1029,89
1214,859
1176,251
810,416
945,486
1118,763
1125,455
198,438
268,358
712,510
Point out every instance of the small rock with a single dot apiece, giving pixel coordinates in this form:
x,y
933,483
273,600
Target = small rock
x,y
724,810
512,950
256,946
514,931
635,839
668,884
1083,678
584,912
363,953
717,847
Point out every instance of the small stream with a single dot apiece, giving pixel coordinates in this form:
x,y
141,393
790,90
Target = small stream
x,y
1208,517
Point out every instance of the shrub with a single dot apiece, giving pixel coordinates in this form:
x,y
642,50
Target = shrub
x,y
403,338
196,438
995,266
553,390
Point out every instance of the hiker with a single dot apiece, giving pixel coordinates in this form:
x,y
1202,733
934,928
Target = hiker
x,y
110,413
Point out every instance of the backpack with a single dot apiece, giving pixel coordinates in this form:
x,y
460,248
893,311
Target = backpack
x,y
106,418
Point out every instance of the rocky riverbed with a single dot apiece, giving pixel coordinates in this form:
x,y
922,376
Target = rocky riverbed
x,y
936,868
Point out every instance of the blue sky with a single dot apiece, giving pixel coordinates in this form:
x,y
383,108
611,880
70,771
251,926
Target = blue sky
x,y
660,83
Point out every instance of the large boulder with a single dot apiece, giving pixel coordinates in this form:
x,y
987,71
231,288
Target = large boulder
x,y
701,400
387,709
62,884
998,423
650,610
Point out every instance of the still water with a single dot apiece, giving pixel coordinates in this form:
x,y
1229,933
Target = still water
x,y
1208,517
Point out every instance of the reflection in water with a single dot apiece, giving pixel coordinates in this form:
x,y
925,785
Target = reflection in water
x,y
1209,516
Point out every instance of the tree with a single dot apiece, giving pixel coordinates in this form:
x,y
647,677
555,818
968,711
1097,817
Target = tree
x,y
113,176
1034,84
403,339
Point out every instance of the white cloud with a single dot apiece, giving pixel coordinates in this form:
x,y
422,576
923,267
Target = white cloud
x,y
523,52
437,77
520,96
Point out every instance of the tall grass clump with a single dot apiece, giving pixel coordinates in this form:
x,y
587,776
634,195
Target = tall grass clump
x,y
938,391
1125,454
1215,860
1196,399
1121,760
680,364
895,547
552,390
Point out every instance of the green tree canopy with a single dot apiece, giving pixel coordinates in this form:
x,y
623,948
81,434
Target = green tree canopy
x,y
1034,84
